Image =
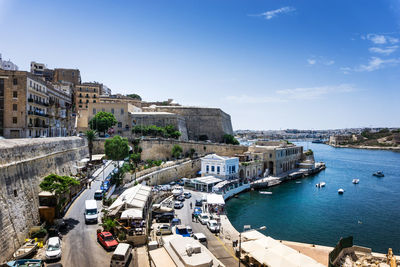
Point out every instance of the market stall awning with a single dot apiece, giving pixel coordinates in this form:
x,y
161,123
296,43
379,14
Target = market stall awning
x,y
215,199
132,214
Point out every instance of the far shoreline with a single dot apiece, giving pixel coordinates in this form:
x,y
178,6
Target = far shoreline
x,y
391,148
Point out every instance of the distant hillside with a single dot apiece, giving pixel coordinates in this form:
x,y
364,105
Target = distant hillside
x,y
383,138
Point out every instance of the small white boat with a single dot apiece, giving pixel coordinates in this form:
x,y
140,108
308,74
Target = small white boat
x,y
298,182
321,184
356,181
340,191
27,250
266,192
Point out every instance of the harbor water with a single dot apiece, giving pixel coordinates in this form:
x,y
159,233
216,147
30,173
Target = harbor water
x,y
299,211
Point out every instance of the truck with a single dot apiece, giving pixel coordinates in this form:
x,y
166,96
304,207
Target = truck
x,y
91,213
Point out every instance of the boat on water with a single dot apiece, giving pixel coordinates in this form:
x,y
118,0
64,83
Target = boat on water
x,y
298,182
26,262
356,181
321,184
340,191
266,192
27,250
319,141
378,174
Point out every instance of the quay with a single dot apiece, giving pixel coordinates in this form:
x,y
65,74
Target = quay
x,y
292,175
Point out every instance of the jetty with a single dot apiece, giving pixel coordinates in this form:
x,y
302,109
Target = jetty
x,y
311,169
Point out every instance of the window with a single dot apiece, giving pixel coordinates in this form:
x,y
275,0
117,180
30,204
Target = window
x,y
94,111
15,94
94,96
1,87
212,169
87,95
94,101
122,111
15,107
80,100
112,111
119,124
87,101
15,81
218,169
207,168
80,106
233,169
15,193
14,120
80,95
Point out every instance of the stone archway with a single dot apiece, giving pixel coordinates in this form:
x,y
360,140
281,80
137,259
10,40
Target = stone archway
x,y
241,173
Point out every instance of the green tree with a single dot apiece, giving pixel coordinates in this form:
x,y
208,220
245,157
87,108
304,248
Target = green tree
x,y
117,148
230,139
109,225
134,96
90,136
57,184
176,151
135,159
102,121
191,152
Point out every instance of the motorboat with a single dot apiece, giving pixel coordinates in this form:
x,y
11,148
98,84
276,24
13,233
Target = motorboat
x,y
378,174
25,262
340,191
27,250
356,181
266,192
321,184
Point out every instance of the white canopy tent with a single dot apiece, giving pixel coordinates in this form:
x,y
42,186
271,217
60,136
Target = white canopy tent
x,y
268,251
134,197
215,199
134,214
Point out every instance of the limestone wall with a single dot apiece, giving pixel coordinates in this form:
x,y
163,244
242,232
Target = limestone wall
x,y
156,149
23,163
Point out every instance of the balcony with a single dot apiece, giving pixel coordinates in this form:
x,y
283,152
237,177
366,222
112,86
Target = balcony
x,y
37,113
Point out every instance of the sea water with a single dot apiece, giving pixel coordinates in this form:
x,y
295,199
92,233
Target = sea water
x,y
369,211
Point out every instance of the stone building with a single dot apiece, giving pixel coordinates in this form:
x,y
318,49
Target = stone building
x,y
251,169
72,76
25,106
335,140
201,123
86,93
276,159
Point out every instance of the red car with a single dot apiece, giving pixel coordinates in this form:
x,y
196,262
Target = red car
x,y
107,240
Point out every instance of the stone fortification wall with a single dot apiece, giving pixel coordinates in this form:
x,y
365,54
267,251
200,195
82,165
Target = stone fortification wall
x,y
211,122
167,174
160,149
23,163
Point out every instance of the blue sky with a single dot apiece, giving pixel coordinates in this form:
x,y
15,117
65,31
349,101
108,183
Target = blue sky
x,y
269,64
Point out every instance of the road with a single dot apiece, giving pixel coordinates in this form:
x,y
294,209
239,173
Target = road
x,y
79,243
215,245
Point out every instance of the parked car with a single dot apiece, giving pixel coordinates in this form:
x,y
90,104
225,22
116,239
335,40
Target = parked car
x,y
107,240
181,183
175,221
122,255
53,248
172,183
204,218
182,230
187,194
201,238
98,194
189,229
198,203
213,226
165,217
180,198
164,229
178,205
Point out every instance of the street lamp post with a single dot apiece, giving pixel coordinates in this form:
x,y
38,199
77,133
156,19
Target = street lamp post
x,y
240,239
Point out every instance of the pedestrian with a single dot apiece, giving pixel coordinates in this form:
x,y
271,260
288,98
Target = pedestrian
x,y
192,217
197,218
190,205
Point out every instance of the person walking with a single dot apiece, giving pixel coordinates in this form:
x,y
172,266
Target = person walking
x,y
192,217
190,205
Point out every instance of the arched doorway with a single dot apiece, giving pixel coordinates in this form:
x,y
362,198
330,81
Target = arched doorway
x,y
241,173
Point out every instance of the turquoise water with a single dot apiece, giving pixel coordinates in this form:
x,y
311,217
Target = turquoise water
x,y
370,210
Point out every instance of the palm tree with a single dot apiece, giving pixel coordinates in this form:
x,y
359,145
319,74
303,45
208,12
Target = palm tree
x,y
90,136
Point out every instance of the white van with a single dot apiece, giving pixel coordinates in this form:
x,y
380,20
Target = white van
x,y
91,211
121,255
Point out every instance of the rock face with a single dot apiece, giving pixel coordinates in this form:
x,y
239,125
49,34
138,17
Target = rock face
x,y
23,163
211,123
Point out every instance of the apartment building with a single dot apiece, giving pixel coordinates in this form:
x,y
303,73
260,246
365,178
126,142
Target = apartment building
x,y
86,93
26,109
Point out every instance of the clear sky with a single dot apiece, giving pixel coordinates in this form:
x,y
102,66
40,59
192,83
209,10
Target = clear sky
x,y
270,64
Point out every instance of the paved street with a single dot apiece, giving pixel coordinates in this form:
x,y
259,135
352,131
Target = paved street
x,y
80,246
215,245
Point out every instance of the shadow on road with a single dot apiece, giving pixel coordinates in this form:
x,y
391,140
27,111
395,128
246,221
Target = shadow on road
x,y
70,224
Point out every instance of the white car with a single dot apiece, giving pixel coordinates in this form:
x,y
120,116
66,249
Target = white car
x,y
178,205
164,229
187,195
201,238
53,248
189,229
213,226
204,218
